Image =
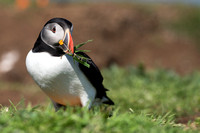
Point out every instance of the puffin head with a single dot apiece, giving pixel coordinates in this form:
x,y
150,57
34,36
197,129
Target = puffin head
x,y
57,33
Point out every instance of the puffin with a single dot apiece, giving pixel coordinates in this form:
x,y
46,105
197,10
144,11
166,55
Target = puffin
x,y
64,80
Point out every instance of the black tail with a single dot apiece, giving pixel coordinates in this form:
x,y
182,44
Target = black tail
x,y
107,100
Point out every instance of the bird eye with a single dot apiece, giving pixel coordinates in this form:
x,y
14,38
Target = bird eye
x,y
53,29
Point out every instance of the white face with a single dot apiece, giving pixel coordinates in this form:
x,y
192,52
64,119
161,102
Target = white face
x,y
52,33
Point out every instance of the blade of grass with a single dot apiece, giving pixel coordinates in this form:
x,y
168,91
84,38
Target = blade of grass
x,y
12,105
80,45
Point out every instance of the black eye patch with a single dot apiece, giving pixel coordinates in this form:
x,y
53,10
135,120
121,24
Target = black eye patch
x,y
53,29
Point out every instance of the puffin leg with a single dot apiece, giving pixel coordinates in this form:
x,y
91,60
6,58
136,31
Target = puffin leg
x,y
57,106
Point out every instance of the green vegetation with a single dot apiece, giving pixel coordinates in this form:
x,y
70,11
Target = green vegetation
x,y
145,102
34,120
157,91
79,57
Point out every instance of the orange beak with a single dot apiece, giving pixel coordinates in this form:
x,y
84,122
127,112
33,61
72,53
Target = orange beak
x,y
67,43
71,44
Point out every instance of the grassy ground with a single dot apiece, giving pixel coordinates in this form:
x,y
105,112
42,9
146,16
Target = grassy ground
x,y
157,91
145,102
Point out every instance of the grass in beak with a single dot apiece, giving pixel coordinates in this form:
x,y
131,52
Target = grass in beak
x,y
76,55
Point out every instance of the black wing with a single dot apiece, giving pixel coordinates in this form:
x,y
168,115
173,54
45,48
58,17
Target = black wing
x,y
93,74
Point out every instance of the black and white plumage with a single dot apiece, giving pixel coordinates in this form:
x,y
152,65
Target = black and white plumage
x,y
64,80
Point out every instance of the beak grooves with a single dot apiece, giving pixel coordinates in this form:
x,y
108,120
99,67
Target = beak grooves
x,y
68,47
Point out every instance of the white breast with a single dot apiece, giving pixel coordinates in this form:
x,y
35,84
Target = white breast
x,y
60,78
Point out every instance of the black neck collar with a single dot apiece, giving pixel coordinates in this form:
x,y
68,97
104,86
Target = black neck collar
x,y
40,46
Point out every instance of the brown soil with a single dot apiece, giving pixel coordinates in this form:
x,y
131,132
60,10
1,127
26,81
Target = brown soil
x,y
15,96
186,119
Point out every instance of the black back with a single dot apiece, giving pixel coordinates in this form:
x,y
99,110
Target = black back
x,y
93,74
